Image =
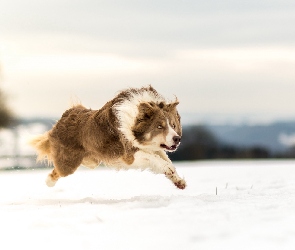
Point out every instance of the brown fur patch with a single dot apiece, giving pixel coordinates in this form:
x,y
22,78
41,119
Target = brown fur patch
x,y
85,133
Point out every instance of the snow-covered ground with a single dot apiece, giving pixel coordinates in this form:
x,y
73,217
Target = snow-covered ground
x,y
254,208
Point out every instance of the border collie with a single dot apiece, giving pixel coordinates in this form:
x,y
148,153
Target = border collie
x,y
132,131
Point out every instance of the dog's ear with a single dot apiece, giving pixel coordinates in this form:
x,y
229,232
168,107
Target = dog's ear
x,y
172,105
146,110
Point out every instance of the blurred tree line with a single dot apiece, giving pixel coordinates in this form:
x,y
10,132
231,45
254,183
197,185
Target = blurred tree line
x,y
198,143
6,116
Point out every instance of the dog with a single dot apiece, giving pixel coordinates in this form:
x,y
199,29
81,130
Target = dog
x,y
132,131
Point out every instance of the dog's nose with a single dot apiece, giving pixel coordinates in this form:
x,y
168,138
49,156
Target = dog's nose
x,y
176,139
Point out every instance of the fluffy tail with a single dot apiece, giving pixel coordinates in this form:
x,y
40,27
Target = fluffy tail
x,y
42,145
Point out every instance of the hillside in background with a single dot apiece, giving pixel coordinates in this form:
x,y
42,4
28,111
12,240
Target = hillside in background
x,y
277,137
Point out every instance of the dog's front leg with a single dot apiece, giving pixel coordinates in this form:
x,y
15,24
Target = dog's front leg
x,y
164,156
158,165
172,175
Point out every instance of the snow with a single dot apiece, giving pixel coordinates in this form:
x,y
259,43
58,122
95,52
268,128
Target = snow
x,y
227,205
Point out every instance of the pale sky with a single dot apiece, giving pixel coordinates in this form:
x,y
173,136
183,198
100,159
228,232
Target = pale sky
x,y
220,58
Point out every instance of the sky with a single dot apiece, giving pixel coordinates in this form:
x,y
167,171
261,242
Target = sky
x,y
222,59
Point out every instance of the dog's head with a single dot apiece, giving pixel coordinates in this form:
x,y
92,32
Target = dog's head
x,y
157,126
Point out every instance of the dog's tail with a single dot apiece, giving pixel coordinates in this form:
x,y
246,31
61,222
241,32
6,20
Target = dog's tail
x,y
42,144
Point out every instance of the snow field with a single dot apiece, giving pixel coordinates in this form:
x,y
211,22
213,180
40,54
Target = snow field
x,y
103,209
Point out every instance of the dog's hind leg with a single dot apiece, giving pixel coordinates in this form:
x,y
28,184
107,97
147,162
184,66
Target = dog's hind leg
x,y
52,178
65,162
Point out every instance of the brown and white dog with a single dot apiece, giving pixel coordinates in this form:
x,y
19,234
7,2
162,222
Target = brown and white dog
x,y
131,131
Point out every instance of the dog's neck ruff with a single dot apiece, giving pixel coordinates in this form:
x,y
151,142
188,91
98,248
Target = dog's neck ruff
x,y
126,109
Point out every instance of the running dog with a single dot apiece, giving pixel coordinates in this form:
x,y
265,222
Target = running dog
x,y
132,131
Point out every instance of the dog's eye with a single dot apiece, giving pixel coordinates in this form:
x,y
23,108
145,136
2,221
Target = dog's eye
x,y
173,126
160,127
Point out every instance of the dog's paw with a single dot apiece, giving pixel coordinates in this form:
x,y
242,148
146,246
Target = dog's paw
x,y
181,184
50,182
172,175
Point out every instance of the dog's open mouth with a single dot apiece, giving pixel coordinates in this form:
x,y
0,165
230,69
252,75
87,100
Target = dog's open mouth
x,y
172,148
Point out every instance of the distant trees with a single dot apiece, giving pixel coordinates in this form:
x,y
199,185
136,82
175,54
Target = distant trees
x,y
198,143
6,116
